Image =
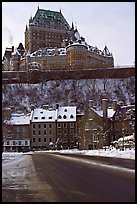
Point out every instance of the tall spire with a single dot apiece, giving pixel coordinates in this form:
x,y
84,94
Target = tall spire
x,y
60,9
26,28
75,25
72,26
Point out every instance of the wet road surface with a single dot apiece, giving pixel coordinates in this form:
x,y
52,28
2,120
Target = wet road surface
x,y
58,178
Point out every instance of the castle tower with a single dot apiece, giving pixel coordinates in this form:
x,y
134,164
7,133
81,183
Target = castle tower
x,y
77,52
46,29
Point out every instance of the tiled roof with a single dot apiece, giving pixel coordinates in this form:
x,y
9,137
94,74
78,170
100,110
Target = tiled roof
x,y
47,15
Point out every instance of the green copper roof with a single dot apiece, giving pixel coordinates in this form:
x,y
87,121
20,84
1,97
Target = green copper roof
x,y
47,16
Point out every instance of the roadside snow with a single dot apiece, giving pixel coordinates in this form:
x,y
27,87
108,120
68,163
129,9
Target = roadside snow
x,y
127,153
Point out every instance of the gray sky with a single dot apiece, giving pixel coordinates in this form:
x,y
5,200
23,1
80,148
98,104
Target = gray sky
x,y
110,23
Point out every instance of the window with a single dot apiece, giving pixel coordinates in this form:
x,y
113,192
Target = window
x,y
8,143
64,116
26,142
65,125
72,137
59,125
39,125
44,139
71,125
50,126
19,142
39,132
65,131
39,140
44,125
35,118
33,139
71,130
44,132
33,132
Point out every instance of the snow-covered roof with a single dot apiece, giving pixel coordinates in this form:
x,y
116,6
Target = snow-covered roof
x,y
67,113
19,119
62,114
43,115
110,112
130,137
49,52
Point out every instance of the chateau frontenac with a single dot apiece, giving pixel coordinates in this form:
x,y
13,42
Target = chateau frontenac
x,y
51,43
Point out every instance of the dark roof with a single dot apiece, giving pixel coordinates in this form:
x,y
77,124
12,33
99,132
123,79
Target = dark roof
x,y
48,15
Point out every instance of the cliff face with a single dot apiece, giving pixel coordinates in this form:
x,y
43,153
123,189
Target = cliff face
x,y
68,92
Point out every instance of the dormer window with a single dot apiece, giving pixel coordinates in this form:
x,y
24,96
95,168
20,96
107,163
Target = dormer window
x,y
50,117
71,116
65,110
42,117
35,118
59,117
64,116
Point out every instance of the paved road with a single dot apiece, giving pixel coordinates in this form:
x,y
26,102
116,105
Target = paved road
x,y
59,178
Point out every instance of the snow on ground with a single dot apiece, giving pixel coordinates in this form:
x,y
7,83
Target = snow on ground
x,y
113,152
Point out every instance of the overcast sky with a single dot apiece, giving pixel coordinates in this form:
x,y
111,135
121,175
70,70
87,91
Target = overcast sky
x,y
110,23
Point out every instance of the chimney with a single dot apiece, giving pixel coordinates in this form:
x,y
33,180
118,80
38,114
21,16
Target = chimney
x,y
32,107
57,106
104,107
45,106
12,48
114,105
90,104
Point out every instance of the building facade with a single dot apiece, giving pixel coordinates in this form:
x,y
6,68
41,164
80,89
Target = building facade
x,y
16,133
43,129
100,128
53,128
